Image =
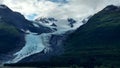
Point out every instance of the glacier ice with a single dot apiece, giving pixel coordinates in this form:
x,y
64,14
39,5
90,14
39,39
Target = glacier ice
x,y
33,45
37,43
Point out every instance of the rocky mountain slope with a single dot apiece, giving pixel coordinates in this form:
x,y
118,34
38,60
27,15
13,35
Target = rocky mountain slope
x,y
96,43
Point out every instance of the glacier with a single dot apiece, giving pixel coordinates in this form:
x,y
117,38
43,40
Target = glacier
x,y
37,43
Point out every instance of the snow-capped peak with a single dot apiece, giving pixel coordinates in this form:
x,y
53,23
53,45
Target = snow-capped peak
x,y
69,23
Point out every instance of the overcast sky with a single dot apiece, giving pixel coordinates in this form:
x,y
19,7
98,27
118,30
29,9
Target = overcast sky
x,y
58,8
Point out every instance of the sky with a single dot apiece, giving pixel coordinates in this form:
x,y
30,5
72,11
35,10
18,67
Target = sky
x,y
32,9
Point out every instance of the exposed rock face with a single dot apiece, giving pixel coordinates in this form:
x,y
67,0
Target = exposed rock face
x,y
46,20
56,22
71,22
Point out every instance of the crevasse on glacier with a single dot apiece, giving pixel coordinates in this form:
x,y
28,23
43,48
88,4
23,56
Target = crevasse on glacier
x,y
37,43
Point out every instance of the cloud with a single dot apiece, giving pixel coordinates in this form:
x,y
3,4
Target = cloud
x,y
58,8
1,1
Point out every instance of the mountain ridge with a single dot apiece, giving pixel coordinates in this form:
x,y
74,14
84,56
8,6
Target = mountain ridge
x,y
95,43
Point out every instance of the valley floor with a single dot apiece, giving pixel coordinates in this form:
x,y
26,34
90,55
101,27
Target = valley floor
x,y
18,67
58,67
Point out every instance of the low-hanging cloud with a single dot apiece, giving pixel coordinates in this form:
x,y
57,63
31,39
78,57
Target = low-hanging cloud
x,y
47,8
